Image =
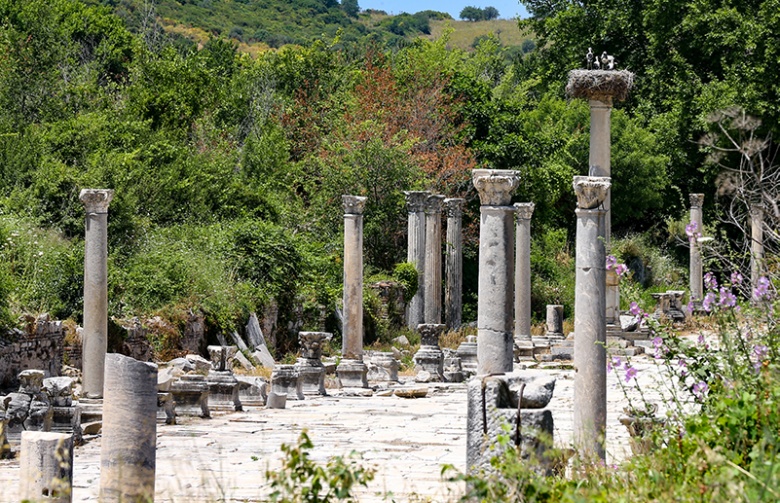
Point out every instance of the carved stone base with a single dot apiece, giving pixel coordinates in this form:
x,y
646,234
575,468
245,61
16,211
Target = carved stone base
x,y
352,374
285,380
430,359
383,368
191,395
312,376
223,391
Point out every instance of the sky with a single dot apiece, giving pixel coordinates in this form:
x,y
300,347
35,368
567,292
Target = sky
x,y
506,8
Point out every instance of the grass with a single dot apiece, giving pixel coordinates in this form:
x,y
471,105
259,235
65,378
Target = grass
x,y
466,31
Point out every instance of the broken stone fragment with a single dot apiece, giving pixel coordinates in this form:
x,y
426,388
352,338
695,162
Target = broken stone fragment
x,y
202,366
60,390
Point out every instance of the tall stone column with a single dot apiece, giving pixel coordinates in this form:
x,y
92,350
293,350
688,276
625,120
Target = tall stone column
x,y
129,445
590,327
432,276
415,253
352,371
495,343
756,245
46,467
696,276
95,335
600,87
453,289
523,272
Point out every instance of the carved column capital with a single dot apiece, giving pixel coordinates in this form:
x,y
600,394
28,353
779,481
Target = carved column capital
x,y
311,343
524,210
96,200
697,200
353,205
433,204
415,200
454,207
591,191
495,186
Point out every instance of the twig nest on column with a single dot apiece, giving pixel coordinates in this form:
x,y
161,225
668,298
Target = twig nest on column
x,y
591,191
495,186
601,85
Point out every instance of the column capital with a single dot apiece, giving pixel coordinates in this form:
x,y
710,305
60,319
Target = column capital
x,y
591,191
96,200
697,200
415,200
433,204
429,333
524,210
353,205
495,186
454,207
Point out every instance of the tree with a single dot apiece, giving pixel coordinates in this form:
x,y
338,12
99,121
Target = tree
x,y
350,7
489,13
472,14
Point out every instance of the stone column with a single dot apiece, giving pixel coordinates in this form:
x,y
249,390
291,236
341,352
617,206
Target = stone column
x,y
128,447
432,276
590,328
453,289
554,321
495,343
756,245
696,276
352,371
415,253
46,467
95,335
523,272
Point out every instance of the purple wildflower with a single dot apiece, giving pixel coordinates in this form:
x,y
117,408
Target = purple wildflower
x,y
691,229
683,367
701,339
706,304
736,278
621,269
710,281
630,373
700,389
762,290
634,309
727,299
691,307
759,353
611,262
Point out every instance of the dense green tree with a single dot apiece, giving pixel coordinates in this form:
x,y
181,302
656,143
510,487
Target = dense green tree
x,y
351,7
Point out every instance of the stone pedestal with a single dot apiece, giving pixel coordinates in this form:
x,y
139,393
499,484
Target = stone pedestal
x,y
590,327
432,276
495,342
286,380
523,273
46,467
129,444
191,395
453,370
352,338
453,287
166,408
429,358
494,403
310,366
467,352
252,390
384,367
223,386
415,205
696,276
554,321
94,339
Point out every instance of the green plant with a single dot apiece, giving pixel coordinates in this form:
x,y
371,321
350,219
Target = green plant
x,y
301,480
406,274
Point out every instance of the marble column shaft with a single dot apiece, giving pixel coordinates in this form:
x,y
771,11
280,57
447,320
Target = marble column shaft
x,y
696,273
756,245
590,328
95,335
46,467
352,338
415,253
453,289
432,277
495,342
523,271
129,444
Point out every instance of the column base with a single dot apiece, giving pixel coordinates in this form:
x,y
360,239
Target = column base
x,y
352,374
312,376
430,359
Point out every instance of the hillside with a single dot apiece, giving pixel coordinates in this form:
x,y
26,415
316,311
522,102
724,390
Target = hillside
x,y
465,32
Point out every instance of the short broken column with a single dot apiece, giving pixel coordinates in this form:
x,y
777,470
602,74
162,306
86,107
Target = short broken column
x,y
46,467
432,276
415,206
429,358
129,444
590,325
495,342
310,367
696,275
453,266
223,386
554,321
95,335
286,381
523,273
352,370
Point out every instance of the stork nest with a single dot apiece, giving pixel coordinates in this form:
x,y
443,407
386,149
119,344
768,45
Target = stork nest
x,y
600,85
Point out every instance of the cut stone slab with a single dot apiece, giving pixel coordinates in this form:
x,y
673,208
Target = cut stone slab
x,y
92,428
412,392
202,365
263,357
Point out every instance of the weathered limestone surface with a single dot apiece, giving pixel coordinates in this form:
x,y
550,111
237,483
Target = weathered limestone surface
x,y
429,358
590,326
286,380
191,395
46,467
756,245
39,345
554,320
432,276
223,386
352,371
129,443
415,206
523,272
95,335
28,409
696,277
496,270
310,367
467,352
453,289
384,367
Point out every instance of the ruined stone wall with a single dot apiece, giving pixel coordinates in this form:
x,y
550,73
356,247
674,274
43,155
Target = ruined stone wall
x,y
39,345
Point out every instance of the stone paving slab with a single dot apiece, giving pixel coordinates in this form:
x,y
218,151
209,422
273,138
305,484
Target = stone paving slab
x,y
407,440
